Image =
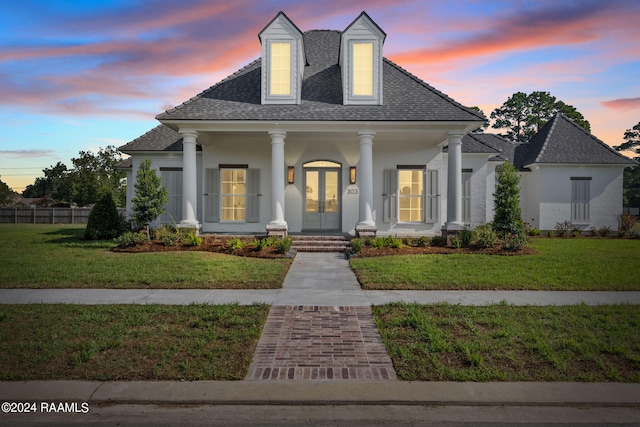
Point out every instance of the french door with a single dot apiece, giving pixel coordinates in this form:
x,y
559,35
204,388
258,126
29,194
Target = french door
x,y
322,202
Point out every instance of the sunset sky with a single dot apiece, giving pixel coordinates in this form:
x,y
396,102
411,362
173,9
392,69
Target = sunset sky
x,y
84,74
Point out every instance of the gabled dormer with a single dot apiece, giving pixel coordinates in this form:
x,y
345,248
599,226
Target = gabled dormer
x,y
361,62
283,61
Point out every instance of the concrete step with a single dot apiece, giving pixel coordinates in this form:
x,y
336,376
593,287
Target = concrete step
x,y
320,243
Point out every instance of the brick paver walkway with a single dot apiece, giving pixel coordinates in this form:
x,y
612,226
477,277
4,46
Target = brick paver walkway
x,y
320,343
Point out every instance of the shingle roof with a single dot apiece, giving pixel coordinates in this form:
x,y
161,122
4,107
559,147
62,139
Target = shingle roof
x,y
405,97
160,138
563,141
478,143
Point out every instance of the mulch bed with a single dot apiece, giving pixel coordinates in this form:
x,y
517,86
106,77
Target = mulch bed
x,y
209,244
219,245
369,251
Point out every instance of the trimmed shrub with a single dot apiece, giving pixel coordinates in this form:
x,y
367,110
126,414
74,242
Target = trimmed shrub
x,y
438,241
392,242
508,216
466,237
104,220
424,241
284,245
167,235
356,245
515,242
131,239
484,236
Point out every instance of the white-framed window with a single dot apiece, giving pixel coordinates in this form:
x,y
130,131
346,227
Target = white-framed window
x,y
232,194
410,194
362,78
280,68
580,199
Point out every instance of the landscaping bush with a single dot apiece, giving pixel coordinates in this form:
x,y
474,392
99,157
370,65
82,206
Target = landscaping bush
x,y
131,239
356,245
392,242
167,235
191,239
378,243
438,241
626,224
508,216
466,237
235,244
533,232
260,244
515,242
563,228
604,231
424,241
485,236
104,220
456,242
284,245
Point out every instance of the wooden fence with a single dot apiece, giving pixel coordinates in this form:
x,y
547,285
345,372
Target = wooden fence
x,y
35,215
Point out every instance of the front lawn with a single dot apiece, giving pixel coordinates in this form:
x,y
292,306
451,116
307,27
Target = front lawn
x,y
128,342
54,256
508,343
567,264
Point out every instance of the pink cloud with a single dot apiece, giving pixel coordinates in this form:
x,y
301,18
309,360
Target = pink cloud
x,y
623,104
559,26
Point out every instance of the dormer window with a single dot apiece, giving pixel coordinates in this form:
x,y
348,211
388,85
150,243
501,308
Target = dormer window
x,y
280,68
283,61
361,62
362,69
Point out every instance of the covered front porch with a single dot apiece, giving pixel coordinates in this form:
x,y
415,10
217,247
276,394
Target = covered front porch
x,y
310,177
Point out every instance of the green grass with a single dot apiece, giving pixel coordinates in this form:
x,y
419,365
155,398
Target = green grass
x,y
128,342
559,264
45,256
508,343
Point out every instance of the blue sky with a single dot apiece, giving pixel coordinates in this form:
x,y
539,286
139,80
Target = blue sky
x,y
81,75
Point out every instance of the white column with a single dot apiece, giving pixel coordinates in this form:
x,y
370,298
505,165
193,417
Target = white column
x,y
189,179
365,181
454,183
277,181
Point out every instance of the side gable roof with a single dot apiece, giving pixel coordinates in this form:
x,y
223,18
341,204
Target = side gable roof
x,y
160,138
406,97
563,141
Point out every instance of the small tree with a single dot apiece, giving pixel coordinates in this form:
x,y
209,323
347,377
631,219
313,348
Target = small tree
x,y
508,217
104,220
151,197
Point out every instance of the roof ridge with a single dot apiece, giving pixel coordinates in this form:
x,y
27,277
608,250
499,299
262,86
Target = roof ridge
x,y
432,89
547,138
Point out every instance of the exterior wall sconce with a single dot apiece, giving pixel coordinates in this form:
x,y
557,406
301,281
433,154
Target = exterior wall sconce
x,y
352,175
290,175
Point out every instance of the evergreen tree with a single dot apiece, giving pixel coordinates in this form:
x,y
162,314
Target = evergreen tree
x,y
151,197
508,216
104,220
6,194
522,115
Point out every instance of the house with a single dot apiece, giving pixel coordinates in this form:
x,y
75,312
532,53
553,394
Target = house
x,y
324,134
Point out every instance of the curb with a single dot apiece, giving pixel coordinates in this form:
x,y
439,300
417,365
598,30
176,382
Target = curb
x,y
326,393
